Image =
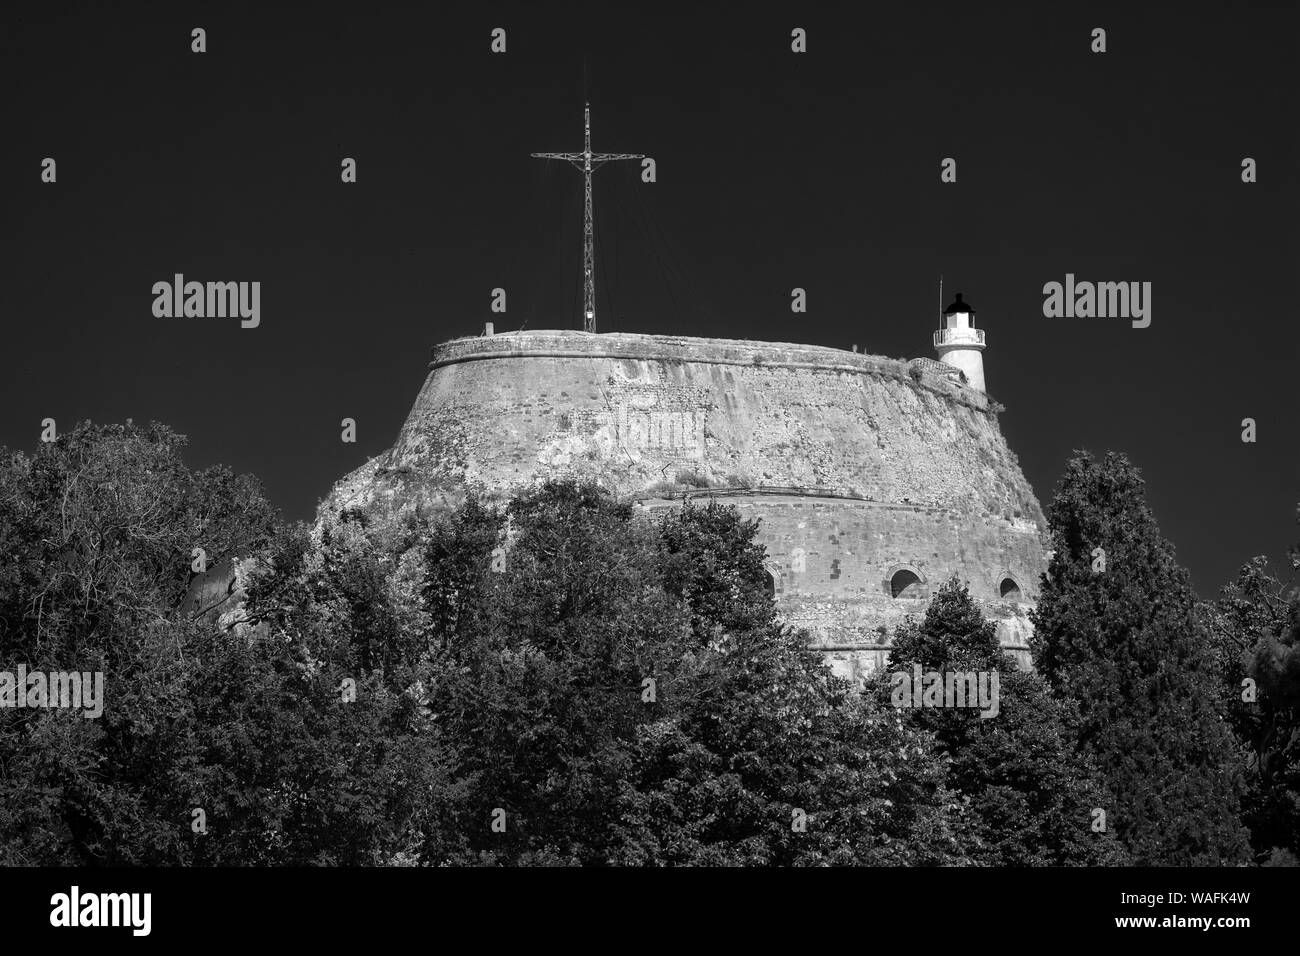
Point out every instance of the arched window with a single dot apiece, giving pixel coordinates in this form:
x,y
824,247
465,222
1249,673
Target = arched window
x,y
1009,589
772,580
905,584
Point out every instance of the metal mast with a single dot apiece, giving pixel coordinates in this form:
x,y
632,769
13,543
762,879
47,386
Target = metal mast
x,y
588,162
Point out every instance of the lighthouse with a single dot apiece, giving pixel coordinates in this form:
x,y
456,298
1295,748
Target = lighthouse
x,y
960,344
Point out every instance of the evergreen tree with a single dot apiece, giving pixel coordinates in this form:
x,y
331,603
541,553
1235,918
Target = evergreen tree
x,y
1031,792
1115,632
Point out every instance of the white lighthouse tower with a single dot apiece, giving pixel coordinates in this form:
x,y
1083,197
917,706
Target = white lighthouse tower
x,y
960,344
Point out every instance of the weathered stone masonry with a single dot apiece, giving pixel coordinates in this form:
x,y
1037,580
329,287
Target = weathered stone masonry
x,y
873,479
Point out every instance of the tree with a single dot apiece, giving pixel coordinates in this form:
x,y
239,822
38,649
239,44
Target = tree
x,y
98,529
336,757
1115,633
1254,628
628,698
1031,792
709,560
213,747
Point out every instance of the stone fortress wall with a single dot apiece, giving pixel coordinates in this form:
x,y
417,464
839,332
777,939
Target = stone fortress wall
x,y
874,479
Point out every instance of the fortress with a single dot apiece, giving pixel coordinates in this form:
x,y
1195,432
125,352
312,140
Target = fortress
x,y
873,479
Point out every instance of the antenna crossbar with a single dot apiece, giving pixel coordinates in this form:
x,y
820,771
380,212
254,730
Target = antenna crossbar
x,y
588,162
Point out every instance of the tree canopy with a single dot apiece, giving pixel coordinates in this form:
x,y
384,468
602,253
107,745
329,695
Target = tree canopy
x,y
1116,634
556,678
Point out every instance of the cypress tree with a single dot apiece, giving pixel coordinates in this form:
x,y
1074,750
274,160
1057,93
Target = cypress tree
x,y
1031,791
1116,633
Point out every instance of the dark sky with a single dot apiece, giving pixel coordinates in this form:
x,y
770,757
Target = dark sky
x,y
775,170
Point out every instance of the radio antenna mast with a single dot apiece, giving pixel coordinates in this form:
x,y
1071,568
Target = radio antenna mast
x,y
588,162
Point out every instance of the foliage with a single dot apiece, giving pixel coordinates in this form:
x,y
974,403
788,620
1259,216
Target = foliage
x,y
248,726
1031,792
741,727
564,680
1254,628
1123,645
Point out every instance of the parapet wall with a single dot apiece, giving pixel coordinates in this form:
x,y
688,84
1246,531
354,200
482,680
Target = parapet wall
x,y
639,410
